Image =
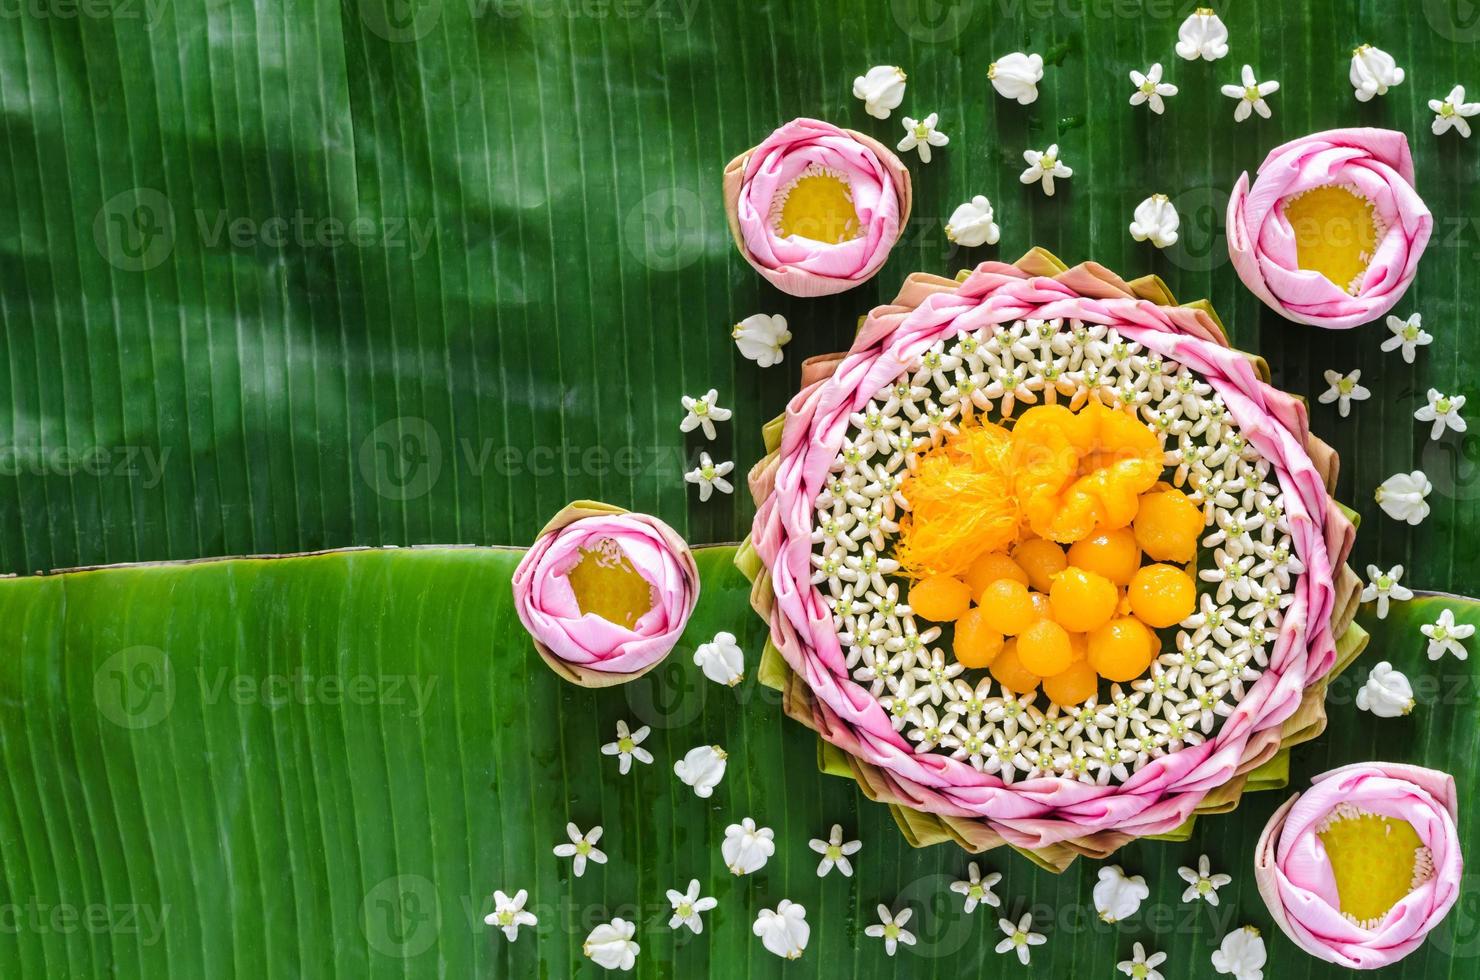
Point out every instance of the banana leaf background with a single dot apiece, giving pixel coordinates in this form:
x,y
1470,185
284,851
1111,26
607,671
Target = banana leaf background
x,y
285,277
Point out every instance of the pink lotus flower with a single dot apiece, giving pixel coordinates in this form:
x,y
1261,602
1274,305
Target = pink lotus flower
x,y
757,180
1297,883
1376,164
585,648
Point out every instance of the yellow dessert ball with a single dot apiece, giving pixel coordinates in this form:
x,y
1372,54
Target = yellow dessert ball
x,y
1082,601
1010,672
989,568
1008,607
1042,607
1162,595
1112,554
940,598
1042,560
1044,649
1073,685
1121,650
976,644
1168,525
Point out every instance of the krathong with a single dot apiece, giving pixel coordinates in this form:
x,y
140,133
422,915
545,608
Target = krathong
x,y
815,208
1363,865
1331,230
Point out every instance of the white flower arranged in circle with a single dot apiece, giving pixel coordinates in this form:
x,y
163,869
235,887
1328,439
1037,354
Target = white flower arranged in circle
x,y
891,928
747,847
688,906
508,913
1407,334
1387,693
1250,95
1383,586
1150,89
721,659
784,930
760,338
882,90
1402,496
922,135
1452,111
628,747
610,945
1016,76
1118,897
835,852
702,413
971,224
1373,72
1044,167
702,768
1202,884
710,476
582,848
1443,411
1202,35
1242,954
1020,937
1446,636
978,890
1141,966
1344,390
1156,220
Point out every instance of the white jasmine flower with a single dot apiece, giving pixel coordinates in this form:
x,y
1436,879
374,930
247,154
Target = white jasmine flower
x,y
891,929
747,847
721,660
921,135
783,931
835,852
1383,586
760,338
971,224
1141,966
628,747
1118,897
1373,72
1250,95
1387,693
1344,390
1150,89
1407,334
1443,411
1445,636
1202,884
882,90
1044,167
508,913
1452,111
1156,219
703,413
1402,495
978,890
610,945
1016,76
1241,954
1020,936
687,907
702,768
582,848
710,476
1202,35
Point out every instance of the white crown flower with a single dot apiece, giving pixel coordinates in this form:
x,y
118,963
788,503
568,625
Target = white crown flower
x,y
508,913
1202,884
702,768
628,747
1387,693
710,476
1141,966
835,852
582,848
1443,411
1044,167
1373,72
1016,76
1020,937
1402,496
1118,897
688,906
922,135
1150,89
1242,954
747,847
971,224
1446,636
721,659
1202,35
1156,220
784,930
882,90
1383,586
703,412
760,338
1344,389
976,889
891,929
1251,95
610,945
1452,112
1407,334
